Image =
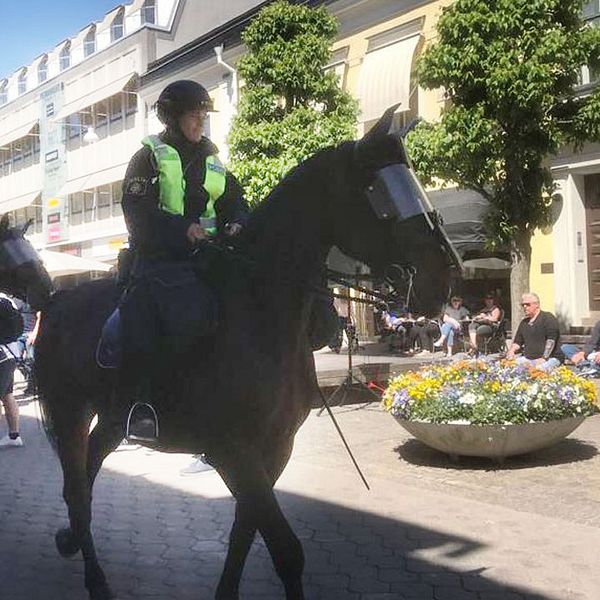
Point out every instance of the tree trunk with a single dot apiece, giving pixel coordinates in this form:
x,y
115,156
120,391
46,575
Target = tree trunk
x,y
519,277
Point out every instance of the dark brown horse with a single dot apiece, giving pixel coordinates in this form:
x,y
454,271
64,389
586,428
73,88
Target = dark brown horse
x,y
243,394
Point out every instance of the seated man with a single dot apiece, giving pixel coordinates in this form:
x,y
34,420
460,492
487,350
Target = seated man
x,y
481,328
587,360
537,337
425,331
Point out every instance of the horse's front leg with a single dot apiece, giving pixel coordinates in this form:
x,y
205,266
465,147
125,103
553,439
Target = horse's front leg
x,y
73,452
258,509
240,541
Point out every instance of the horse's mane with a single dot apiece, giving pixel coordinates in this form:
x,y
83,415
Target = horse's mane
x,y
307,173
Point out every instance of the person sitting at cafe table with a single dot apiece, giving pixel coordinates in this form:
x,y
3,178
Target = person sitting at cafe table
x,y
537,337
483,323
454,313
425,331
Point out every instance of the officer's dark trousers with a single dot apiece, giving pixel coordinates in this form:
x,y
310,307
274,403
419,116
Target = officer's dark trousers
x,y
164,313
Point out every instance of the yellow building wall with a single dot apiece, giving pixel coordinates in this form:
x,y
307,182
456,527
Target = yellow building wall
x,y
542,253
430,102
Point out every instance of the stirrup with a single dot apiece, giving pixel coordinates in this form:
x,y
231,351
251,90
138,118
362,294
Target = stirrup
x,y
146,429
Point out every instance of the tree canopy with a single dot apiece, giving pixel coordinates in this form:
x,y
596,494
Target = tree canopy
x,y
510,69
289,106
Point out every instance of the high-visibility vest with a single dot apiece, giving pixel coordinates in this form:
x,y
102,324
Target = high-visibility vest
x,y
171,182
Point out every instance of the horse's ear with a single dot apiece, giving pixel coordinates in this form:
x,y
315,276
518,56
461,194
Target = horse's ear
x,y
378,148
4,222
383,126
26,226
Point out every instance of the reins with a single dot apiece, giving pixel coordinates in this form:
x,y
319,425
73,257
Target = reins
x,y
377,298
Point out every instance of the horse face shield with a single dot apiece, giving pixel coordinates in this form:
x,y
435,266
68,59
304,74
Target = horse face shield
x,y
397,194
15,252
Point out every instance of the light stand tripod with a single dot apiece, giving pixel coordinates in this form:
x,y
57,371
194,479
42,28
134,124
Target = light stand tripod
x,y
351,380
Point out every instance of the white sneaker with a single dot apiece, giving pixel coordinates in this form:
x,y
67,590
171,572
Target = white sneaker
x,y
7,442
439,343
425,353
200,465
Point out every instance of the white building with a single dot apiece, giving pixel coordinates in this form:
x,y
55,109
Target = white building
x,y
71,120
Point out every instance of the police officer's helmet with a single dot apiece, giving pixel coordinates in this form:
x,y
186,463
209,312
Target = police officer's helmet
x,y
179,97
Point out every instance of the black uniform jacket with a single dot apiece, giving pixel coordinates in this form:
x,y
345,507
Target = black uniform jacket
x,y
156,234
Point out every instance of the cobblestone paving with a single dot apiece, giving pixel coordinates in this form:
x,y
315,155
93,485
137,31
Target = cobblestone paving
x,y
427,530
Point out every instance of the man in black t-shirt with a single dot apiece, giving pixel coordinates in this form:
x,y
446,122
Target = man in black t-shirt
x,y
537,336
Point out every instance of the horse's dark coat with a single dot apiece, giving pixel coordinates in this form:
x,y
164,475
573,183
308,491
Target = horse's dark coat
x,y
241,396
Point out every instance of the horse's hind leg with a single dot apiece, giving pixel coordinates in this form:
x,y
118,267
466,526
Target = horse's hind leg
x,y
73,452
257,508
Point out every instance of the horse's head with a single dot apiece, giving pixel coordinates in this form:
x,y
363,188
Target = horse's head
x,y
21,271
383,218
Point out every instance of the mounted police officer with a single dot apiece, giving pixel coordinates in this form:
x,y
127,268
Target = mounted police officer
x,y
176,195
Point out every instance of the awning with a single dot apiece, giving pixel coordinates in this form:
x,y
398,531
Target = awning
x,y
385,78
463,213
19,202
106,176
94,96
73,186
88,182
61,263
17,133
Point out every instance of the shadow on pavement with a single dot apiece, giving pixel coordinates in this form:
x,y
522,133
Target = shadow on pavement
x,y
155,541
570,450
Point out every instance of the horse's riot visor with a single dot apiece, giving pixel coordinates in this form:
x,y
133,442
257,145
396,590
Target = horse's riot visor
x,y
396,193
15,252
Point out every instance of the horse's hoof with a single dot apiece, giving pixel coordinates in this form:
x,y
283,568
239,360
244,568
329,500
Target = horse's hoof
x,y
66,543
101,592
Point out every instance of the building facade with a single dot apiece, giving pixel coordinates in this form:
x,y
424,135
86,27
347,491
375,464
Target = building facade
x,y
70,121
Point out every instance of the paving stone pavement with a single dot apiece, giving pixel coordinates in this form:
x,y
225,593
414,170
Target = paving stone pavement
x,y
429,529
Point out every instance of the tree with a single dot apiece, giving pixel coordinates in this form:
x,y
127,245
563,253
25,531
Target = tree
x,y
510,70
289,107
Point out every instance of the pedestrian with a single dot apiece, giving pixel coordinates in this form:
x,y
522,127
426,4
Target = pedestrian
x,y
10,330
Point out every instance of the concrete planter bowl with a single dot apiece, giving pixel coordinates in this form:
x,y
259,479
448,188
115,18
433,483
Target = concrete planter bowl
x,y
491,441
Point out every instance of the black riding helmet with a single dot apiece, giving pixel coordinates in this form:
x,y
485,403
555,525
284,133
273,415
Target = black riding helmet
x,y
179,97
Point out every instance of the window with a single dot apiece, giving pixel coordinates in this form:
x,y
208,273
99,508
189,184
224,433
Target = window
x,y
591,16
116,27
115,114
149,12
64,59
42,70
22,82
591,10
103,202
89,206
17,155
3,92
100,111
89,42
116,189
76,208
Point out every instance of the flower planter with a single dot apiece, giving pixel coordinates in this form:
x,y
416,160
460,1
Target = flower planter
x,y
491,441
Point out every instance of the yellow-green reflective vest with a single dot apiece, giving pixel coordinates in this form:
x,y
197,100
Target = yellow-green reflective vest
x,y
171,182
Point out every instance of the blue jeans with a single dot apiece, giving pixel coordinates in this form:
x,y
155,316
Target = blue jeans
x,y
570,350
547,365
448,332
